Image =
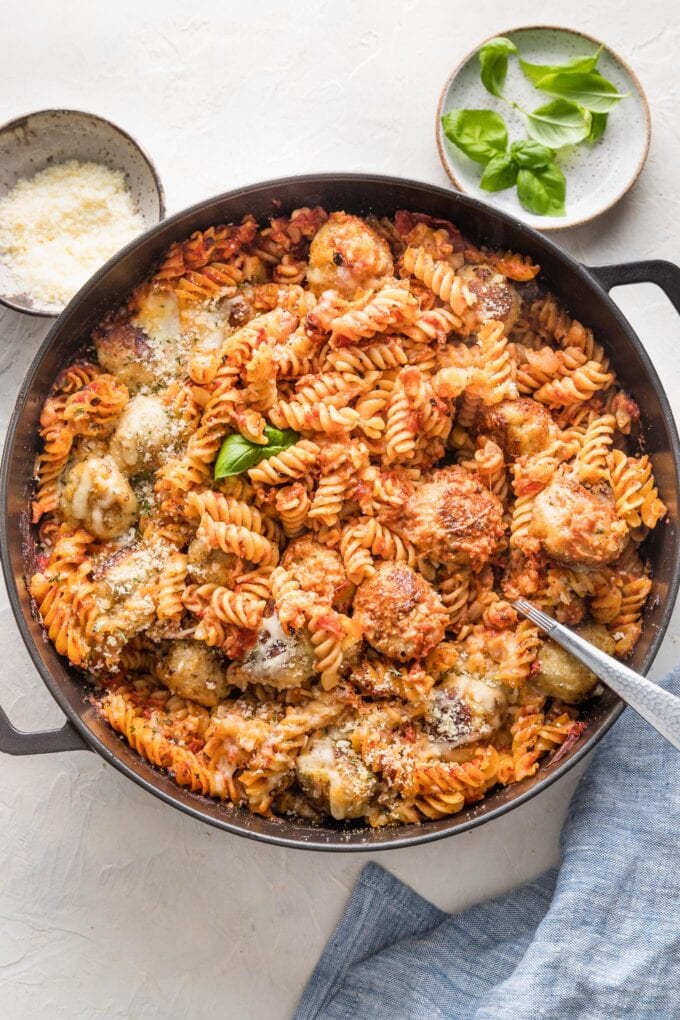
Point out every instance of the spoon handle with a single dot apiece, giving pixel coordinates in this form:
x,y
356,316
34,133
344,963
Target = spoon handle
x,y
658,707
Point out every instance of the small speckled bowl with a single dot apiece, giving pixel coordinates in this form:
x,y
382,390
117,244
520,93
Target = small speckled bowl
x,y
598,175
49,137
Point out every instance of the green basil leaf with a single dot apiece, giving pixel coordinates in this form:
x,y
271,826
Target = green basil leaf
x,y
542,190
534,72
531,154
480,134
493,63
598,122
236,455
280,437
500,173
278,441
589,90
558,123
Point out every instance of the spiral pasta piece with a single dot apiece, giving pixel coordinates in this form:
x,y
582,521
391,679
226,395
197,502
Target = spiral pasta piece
x,y
327,630
256,583
576,386
292,506
211,630
454,591
230,511
293,358
240,609
400,427
591,460
357,360
440,278
445,788
76,376
49,467
219,415
635,492
294,462
496,380
431,326
626,626
170,606
233,538
367,538
489,464
519,650
304,416
94,409
391,305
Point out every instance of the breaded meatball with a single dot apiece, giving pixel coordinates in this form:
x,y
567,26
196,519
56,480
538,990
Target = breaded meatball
x,y
211,566
192,670
123,573
452,518
347,255
125,351
143,432
277,659
126,592
335,778
564,677
400,614
575,526
496,297
466,708
147,349
99,497
520,427
318,569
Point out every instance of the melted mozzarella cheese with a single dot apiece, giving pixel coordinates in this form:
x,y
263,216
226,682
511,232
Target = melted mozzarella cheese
x,y
142,432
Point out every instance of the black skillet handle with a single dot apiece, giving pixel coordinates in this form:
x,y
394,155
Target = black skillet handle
x,y
664,274
13,741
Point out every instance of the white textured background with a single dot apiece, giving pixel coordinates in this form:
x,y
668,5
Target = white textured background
x,y
112,904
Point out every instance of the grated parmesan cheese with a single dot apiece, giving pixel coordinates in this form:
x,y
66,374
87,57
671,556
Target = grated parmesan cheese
x,y
58,227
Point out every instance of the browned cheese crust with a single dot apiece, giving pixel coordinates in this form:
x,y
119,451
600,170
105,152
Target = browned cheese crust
x,y
496,297
452,518
400,614
345,255
576,526
318,570
125,351
520,427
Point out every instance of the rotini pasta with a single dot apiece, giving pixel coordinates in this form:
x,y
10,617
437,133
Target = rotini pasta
x,y
330,632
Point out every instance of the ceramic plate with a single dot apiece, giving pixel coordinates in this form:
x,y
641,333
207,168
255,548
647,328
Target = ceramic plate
x,y
598,174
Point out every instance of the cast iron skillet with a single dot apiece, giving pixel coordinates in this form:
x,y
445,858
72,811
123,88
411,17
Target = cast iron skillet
x,y
583,290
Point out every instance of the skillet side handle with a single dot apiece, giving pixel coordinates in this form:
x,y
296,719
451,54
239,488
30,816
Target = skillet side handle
x,y
664,274
14,741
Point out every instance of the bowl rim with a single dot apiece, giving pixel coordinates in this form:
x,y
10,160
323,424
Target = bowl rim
x,y
446,162
183,800
20,121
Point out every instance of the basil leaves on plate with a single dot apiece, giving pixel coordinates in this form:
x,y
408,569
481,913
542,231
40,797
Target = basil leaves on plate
x,y
558,124
542,190
578,112
541,186
493,63
480,134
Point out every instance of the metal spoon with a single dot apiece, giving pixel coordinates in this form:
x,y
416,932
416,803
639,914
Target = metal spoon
x,y
657,706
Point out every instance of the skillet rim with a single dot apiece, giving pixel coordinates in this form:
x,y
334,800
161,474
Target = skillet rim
x,y
337,840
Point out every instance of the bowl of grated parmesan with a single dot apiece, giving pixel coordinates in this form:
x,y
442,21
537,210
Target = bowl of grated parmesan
x,y
74,190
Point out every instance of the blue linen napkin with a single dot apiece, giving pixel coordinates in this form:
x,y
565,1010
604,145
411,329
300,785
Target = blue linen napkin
x,y
597,938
